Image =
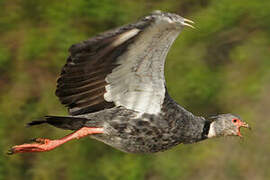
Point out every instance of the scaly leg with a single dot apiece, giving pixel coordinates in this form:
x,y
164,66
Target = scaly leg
x,y
42,145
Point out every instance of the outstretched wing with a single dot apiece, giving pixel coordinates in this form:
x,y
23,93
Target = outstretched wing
x,y
122,67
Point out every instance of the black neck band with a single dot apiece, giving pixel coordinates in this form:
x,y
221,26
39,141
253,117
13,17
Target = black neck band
x,y
206,129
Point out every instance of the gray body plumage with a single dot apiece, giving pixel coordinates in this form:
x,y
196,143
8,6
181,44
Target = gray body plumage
x,y
133,132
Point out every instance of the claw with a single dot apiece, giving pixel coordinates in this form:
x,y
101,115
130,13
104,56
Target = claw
x,y
10,151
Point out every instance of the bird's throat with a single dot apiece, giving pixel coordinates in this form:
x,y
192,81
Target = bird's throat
x,y
212,132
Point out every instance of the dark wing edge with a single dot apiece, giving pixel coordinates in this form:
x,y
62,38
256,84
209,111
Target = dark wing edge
x,y
81,85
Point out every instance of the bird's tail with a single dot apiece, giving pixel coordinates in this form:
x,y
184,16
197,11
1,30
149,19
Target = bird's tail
x,y
63,122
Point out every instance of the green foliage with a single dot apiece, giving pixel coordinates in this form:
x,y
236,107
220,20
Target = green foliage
x,y
4,57
222,66
36,45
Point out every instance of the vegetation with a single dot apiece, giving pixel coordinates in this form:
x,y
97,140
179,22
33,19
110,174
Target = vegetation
x,y
222,66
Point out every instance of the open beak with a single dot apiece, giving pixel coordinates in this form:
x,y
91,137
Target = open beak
x,y
242,124
245,125
188,23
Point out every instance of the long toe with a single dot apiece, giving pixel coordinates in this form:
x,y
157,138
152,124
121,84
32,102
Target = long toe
x,y
24,148
41,146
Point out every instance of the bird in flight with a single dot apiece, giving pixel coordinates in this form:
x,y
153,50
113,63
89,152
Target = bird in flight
x,y
114,88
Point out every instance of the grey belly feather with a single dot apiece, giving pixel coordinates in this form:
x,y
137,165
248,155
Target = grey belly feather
x,y
131,132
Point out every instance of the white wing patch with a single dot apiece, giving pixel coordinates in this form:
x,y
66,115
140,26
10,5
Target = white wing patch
x,y
125,36
138,82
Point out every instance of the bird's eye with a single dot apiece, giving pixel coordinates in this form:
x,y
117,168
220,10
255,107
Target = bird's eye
x,y
234,120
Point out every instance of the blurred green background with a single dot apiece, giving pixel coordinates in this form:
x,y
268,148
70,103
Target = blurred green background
x,y
222,66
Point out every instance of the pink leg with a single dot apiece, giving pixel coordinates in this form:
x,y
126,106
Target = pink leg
x,y
42,145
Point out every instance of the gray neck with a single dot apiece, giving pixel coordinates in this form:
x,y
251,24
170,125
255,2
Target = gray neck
x,y
190,128
216,129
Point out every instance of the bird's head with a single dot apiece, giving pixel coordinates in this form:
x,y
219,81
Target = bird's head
x,y
226,125
172,19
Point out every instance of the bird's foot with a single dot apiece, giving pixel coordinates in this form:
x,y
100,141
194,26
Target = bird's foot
x,y
42,145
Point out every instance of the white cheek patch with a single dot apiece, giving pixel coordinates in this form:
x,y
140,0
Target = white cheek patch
x,y
138,82
212,132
